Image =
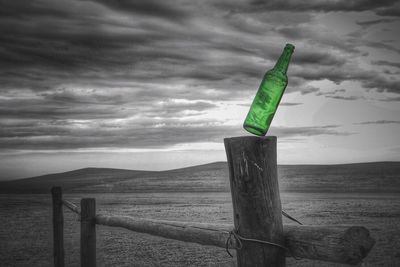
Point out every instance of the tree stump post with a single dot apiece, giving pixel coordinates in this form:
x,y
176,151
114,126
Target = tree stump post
x,y
256,200
88,232
58,227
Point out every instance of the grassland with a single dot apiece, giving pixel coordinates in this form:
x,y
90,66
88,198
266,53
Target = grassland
x,y
25,219
377,177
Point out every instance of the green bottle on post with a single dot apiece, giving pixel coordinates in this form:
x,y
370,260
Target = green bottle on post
x,y
269,95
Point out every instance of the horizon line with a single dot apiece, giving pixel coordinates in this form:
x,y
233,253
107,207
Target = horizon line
x,y
192,166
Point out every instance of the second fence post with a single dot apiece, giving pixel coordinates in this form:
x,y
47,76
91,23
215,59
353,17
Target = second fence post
x,y
256,200
58,227
88,232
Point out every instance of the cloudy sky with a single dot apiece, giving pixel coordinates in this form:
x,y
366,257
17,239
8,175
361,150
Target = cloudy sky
x,y
158,84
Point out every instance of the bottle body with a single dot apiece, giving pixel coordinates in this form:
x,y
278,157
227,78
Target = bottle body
x,y
268,96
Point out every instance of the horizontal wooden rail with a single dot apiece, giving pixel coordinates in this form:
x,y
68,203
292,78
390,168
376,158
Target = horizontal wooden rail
x,y
342,244
71,206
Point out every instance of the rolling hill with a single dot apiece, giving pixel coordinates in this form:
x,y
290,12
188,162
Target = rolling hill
x,y
379,177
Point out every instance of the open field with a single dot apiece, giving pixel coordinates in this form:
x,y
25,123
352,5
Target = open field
x,y
25,233
374,177
365,194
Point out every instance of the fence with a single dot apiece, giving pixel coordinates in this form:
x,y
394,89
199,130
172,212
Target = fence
x,y
258,234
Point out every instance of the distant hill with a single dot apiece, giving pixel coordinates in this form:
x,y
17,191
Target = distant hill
x,y
70,180
213,177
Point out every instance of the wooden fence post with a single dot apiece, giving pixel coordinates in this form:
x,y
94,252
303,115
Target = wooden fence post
x,y
256,200
58,227
88,232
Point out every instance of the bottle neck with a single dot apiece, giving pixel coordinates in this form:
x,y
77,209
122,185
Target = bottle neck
x,y
282,64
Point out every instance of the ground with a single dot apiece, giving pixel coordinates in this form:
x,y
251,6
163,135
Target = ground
x,y
26,233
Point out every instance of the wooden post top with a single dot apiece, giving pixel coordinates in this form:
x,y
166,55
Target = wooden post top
x,y
251,137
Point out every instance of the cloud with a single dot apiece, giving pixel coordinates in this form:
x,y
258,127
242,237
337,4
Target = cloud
x,y
369,23
391,99
290,104
319,58
379,122
369,79
78,74
308,131
146,8
375,44
91,104
74,135
103,45
343,97
337,94
309,90
391,10
332,92
381,7
386,63
313,5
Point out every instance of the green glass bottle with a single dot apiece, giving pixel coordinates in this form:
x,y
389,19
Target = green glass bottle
x,y
269,95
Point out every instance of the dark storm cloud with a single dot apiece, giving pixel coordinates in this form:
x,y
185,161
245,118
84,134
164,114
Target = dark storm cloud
x,y
381,7
26,8
386,63
145,8
382,45
389,72
88,48
319,58
369,79
32,110
389,11
86,74
84,47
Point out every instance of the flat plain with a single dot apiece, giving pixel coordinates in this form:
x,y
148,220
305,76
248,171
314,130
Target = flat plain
x,y
26,233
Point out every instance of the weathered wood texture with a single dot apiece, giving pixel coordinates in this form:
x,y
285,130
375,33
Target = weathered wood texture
x,y
256,200
71,206
88,232
167,229
58,227
342,244
330,243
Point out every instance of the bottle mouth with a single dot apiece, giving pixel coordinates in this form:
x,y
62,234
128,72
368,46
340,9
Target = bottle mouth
x,y
289,46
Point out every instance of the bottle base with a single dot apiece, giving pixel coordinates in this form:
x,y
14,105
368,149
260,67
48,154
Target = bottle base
x,y
254,129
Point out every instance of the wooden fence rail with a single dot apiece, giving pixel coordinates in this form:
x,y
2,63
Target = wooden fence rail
x,y
258,234
338,243
342,244
71,206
